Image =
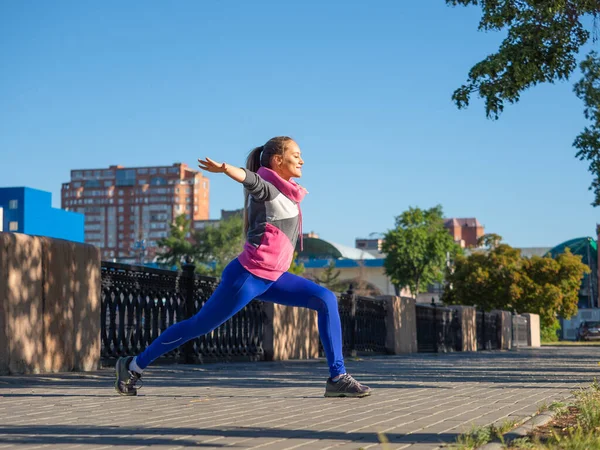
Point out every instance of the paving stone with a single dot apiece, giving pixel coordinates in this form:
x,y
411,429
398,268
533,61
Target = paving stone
x,y
419,402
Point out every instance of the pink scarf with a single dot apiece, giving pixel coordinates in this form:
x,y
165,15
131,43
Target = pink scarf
x,y
290,189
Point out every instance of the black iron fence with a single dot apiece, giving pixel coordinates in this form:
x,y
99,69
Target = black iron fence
x,y
438,329
363,324
139,303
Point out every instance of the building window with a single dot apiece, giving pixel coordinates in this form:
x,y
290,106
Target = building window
x,y
125,177
13,226
158,181
13,204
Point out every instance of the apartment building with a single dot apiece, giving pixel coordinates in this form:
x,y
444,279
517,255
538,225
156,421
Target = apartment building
x,y
127,210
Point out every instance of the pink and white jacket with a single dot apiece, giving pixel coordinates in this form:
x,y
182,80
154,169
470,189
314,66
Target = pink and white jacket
x,y
275,222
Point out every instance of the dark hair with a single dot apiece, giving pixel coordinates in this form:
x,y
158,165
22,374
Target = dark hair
x,y
261,157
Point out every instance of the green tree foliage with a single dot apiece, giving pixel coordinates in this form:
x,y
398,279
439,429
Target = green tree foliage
x,y
211,249
502,279
588,141
217,246
176,247
296,268
542,43
329,277
417,249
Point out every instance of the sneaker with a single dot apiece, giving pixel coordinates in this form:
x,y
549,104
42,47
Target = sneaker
x,y
346,386
126,379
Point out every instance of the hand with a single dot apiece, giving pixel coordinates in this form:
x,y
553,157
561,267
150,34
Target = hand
x,y
212,166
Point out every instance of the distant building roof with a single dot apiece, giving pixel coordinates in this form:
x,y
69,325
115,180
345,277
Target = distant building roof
x,y
316,248
528,252
465,222
342,263
582,246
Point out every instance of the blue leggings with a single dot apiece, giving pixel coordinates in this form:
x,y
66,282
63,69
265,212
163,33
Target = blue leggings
x,y
237,288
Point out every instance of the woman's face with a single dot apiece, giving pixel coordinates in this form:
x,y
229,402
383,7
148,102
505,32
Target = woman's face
x,y
290,164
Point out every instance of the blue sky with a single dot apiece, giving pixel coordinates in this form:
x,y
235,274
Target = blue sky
x,y
365,90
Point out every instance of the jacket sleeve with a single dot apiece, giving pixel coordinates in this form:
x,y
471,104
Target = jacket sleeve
x,y
259,189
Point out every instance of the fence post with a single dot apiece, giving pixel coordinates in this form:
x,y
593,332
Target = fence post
x,y
189,269
353,321
435,332
484,340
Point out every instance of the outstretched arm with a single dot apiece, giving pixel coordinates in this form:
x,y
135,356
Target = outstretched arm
x,y
232,172
258,188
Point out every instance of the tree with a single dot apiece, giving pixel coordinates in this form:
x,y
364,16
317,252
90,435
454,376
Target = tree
x,y
502,279
210,249
588,141
542,43
417,249
330,277
296,268
217,246
177,247
485,280
489,240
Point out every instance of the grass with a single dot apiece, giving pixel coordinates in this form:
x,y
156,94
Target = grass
x,y
478,436
571,343
576,426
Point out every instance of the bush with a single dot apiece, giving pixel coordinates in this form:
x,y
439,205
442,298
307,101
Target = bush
x,y
550,333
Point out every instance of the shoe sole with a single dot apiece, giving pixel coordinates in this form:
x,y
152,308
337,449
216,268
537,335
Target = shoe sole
x,y
125,394
343,394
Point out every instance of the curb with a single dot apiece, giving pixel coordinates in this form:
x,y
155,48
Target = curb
x,y
521,431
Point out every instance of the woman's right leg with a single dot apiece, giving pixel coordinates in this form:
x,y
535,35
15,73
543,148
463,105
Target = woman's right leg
x,y
237,288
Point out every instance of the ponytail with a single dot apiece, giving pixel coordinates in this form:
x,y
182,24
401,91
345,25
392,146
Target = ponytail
x,y
252,164
253,161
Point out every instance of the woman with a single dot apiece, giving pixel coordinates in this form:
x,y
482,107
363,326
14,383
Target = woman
x,y
272,223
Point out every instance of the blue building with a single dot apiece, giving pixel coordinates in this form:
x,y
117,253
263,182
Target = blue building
x,y
30,211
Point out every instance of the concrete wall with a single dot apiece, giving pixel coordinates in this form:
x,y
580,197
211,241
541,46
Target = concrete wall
x,y
533,332
504,329
290,333
49,305
468,322
401,324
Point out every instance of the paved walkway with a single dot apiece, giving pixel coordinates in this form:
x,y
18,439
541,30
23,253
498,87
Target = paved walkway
x,y
420,402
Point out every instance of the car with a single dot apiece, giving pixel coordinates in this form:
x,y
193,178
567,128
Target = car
x,y
588,330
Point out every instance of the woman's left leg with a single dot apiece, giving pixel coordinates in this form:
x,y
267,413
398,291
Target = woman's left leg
x,y
292,290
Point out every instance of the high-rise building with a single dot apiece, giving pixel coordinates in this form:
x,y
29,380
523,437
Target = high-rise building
x,y
128,209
